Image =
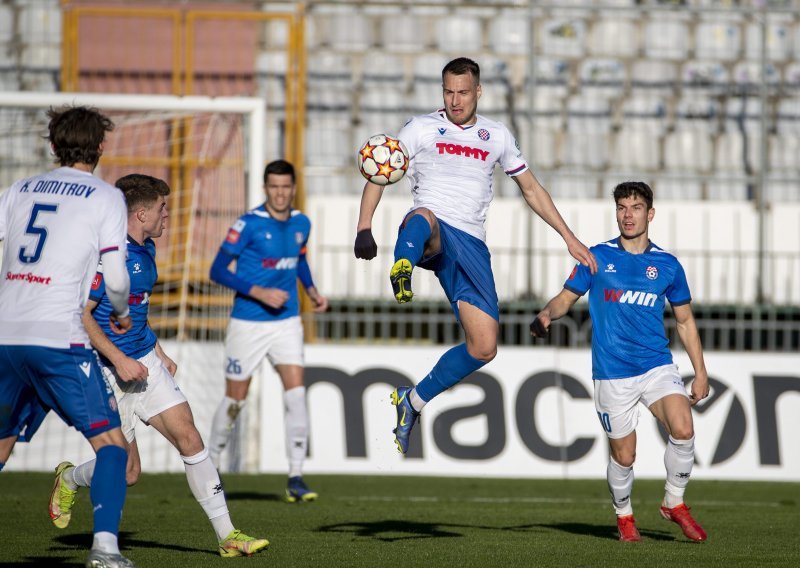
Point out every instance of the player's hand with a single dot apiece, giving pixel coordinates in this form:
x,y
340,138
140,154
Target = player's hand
x,y
582,254
320,303
129,369
171,366
540,326
365,246
700,388
120,325
272,297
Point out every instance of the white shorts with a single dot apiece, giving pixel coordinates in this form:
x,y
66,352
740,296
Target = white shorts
x,y
616,400
248,342
144,399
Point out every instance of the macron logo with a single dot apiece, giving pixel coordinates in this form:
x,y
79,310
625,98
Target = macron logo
x,y
647,299
466,151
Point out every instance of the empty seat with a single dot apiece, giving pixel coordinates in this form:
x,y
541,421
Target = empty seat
x,y
666,37
784,148
428,67
459,34
657,76
6,24
719,40
688,150
323,139
588,132
638,142
614,37
385,96
405,32
509,33
552,76
705,77
725,188
779,40
563,37
350,32
677,189
602,77
40,22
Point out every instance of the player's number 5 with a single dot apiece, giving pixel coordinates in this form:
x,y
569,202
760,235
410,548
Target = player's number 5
x,y
38,231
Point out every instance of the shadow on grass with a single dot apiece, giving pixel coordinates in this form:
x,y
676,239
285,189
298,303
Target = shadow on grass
x,y
393,530
253,496
600,531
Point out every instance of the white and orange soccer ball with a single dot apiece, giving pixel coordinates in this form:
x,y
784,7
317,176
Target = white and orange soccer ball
x,y
383,160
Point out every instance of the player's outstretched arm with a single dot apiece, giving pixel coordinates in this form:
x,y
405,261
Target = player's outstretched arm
x,y
542,204
221,274
320,301
365,246
556,308
690,337
128,369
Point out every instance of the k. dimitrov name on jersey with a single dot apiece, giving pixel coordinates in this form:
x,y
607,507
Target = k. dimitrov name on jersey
x,y
60,188
630,297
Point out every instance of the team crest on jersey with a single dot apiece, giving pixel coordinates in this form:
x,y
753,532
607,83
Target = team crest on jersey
x,y
483,134
98,279
651,272
235,232
112,402
298,237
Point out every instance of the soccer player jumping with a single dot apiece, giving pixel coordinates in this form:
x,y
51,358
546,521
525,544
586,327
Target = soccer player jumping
x,y
631,360
453,153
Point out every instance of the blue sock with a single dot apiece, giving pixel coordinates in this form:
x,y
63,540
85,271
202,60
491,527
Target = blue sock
x,y
109,488
2,464
453,366
411,240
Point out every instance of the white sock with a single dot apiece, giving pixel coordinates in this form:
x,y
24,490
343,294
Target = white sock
x,y
620,485
207,489
678,459
222,426
296,419
416,401
81,475
105,542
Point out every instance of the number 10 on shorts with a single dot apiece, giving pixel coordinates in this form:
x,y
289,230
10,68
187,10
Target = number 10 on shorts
x,y
605,421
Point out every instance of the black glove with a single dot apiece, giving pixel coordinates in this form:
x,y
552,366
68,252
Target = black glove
x,y
365,245
538,329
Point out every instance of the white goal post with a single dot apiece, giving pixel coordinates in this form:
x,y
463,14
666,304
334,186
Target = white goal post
x,y
225,143
252,107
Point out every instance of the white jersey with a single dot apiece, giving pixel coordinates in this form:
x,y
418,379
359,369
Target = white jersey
x,y
451,167
54,226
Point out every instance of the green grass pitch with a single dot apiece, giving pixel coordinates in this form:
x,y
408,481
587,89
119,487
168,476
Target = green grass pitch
x,y
414,521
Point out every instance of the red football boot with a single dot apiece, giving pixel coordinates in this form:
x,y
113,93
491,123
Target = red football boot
x,y
683,518
627,529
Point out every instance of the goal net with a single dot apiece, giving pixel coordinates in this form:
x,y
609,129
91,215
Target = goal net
x,y
211,153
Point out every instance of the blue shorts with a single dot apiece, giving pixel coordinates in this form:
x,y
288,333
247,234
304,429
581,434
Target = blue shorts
x,y
464,270
35,379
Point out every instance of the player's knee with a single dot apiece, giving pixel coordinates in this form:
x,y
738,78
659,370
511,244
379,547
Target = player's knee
x,y
625,459
483,351
190,443
682,432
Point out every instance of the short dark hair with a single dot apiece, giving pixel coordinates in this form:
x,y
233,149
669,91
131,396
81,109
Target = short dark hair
x,y
141,190
632,189
462,66
280,168
76,132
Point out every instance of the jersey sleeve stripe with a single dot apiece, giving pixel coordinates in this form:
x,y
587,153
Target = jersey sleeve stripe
x,y
517,170
681,302
108,249
574,290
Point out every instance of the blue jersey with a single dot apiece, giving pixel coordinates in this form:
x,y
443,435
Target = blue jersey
x,y
626,302
141,264
267,253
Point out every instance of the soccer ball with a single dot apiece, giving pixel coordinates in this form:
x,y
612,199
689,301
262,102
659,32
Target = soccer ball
x,y
382,159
